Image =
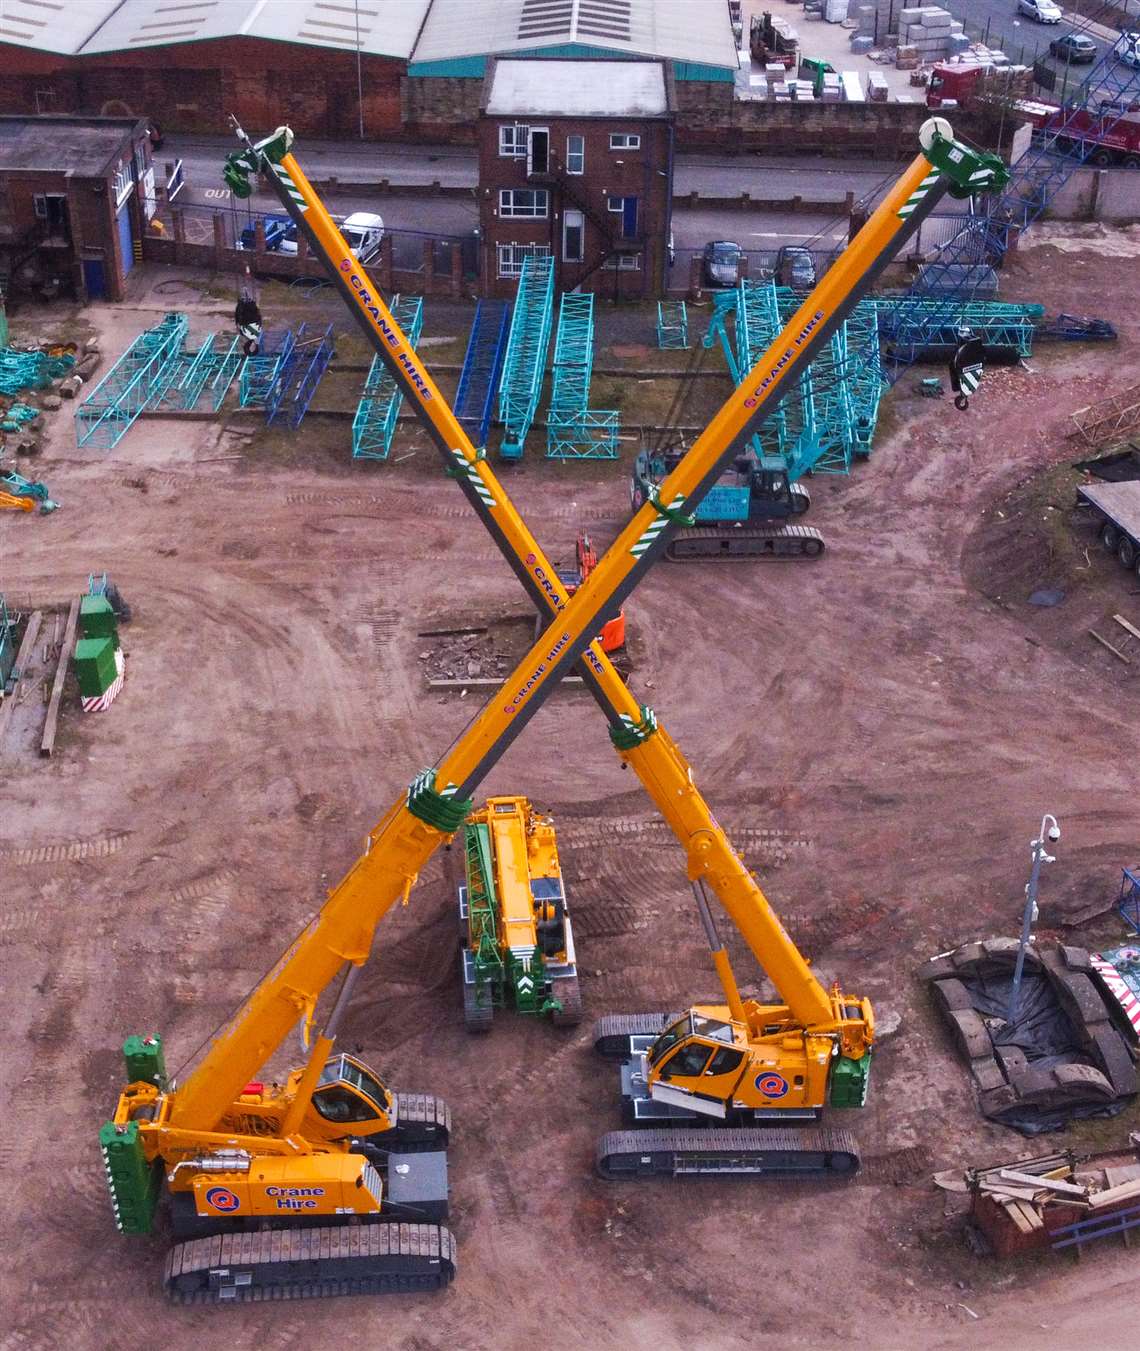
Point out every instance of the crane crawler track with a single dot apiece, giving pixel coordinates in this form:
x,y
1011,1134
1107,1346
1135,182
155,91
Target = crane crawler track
x,y
717,1151
614,1032
423,1122
310,1263
729,544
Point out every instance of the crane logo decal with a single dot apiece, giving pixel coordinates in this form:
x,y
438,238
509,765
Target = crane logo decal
x,y
221,1198
772,1085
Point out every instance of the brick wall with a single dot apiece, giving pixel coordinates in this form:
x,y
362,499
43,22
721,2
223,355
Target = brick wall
x,y
441,108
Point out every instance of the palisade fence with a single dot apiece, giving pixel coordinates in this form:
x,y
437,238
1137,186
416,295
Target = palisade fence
x,y
223,237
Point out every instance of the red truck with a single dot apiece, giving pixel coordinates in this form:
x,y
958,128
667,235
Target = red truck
x,y
1114,136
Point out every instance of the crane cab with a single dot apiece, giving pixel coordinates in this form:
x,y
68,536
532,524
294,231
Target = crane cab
x,y
348,1099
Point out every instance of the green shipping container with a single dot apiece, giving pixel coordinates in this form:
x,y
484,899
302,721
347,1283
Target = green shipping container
x,y
97,618
95,666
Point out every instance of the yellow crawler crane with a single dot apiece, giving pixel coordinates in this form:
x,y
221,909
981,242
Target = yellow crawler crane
x,y
516,939
285,1177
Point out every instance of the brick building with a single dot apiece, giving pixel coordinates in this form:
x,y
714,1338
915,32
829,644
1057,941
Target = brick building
x,y
75,198
328,69
576,160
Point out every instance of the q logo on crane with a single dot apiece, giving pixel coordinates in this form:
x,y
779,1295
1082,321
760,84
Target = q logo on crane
x,y
772,1085
224,1200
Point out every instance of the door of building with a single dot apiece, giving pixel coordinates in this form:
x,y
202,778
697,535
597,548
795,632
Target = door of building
x,y
126,241
93,278
538,151
629,218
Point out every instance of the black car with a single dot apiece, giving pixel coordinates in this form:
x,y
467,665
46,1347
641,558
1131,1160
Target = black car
x,y
722,262
1073,49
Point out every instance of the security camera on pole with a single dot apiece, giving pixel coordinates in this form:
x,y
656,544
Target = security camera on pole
x,y
1050,831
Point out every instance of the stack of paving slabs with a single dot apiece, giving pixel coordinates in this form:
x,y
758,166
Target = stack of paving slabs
x,y
98,656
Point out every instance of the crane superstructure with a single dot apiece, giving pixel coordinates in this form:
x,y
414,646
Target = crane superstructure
x,y
252,1159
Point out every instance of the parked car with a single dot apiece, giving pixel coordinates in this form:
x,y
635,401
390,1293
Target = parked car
x,y
722,262
363,232
1044,11
1073,48
795,267
276,228
1127,49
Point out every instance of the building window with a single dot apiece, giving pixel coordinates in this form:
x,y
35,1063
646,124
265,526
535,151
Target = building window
x,y
39,204
575,154
123,183
573,237
512,142
140,159
621,140
615,204
623,262
512,256
530,203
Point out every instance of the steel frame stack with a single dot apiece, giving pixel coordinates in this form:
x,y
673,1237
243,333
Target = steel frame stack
x,y
108,412
259,373
525,360
298,376
374,424
482,369
909,325
672,324
574,431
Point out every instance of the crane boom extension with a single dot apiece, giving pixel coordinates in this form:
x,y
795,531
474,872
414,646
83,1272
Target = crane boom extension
x,y
641,741
438,800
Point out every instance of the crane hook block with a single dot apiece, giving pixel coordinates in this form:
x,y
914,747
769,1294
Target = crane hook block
x,y
631,734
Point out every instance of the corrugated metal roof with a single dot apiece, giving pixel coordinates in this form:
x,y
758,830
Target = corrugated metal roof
x,y
379,27
578,89
683,30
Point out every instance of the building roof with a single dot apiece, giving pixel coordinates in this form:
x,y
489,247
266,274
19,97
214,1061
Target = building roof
x,y
578,89
682,30
83,146
84,27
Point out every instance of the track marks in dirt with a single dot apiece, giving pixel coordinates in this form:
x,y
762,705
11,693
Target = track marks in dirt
x,y
71,852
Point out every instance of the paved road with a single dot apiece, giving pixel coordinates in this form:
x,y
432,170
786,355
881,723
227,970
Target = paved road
x,y
1023,39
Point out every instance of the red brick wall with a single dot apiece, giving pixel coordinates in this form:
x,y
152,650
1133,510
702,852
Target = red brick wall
x,y
641,173
194,86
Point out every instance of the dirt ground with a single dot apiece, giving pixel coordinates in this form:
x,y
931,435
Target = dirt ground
x,y
880,731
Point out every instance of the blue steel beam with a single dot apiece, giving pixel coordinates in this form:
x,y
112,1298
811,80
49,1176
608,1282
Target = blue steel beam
x,y
482,369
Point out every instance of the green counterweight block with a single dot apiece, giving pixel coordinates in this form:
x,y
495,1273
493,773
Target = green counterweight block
x,y
95,667
145,1060
850,1080
97,618
133,1183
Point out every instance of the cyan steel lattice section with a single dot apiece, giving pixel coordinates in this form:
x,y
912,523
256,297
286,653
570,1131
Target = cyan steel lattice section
x,y
374,424
526,353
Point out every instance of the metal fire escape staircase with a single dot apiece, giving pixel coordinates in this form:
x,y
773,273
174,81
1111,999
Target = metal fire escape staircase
x,y
607,236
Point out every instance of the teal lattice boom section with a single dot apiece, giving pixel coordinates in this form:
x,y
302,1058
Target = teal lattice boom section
x,y
672,324
574,431
911,326
526,353
299,375
193,376
108,412
374,424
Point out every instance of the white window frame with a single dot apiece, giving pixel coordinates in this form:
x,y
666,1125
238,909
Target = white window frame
x,y
611,199
510,257
568,223
513,140
123,183
623,262
509,211
39,205
580,155
624,140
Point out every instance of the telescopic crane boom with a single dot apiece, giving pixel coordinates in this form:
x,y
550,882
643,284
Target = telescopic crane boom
x,y
840,1024
241,1153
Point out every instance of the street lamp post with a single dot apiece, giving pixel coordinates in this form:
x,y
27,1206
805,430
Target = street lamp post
x,y
1051,831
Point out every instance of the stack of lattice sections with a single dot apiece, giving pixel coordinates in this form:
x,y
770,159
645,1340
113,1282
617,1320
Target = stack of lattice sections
x,y
374,425
525,360
574,430
482,369
201,376
297,377
260,373
912,327
105,416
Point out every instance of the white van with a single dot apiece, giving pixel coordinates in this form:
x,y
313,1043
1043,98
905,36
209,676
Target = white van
x,y
362,231
1127,49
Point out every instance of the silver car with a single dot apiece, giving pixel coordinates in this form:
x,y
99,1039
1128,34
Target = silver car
x,y
1044,11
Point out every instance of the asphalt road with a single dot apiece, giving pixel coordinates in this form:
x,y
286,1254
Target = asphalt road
x,y
1024,40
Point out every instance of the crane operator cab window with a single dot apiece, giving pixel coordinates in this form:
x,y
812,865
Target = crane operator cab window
x,y
347,1091
692,1024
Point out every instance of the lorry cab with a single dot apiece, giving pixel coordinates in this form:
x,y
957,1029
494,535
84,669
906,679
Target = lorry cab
x,y
363,231
1127,49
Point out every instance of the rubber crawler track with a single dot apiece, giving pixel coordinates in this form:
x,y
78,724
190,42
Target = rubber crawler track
x,y
712,543
365,1259
613,1032
716,1151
